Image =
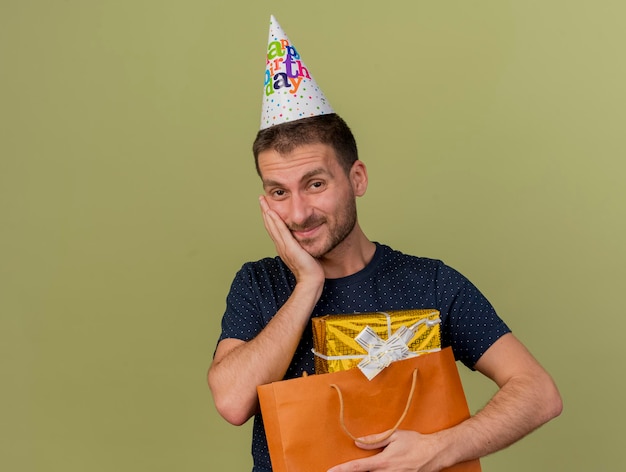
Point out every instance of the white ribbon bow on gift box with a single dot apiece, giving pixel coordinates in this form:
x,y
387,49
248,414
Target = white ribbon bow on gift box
x,y
381,352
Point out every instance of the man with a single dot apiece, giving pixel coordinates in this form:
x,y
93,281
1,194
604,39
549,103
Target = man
x,y
311,176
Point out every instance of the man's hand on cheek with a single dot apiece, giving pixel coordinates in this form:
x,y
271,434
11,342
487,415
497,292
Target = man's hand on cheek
x,y
302,264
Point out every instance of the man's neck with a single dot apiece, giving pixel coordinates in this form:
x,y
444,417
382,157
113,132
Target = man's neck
x,y
351,256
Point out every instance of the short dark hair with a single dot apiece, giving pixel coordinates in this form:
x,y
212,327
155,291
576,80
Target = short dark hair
x,y
328,129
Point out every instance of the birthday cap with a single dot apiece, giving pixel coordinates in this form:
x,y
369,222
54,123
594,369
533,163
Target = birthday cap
x,y
290,92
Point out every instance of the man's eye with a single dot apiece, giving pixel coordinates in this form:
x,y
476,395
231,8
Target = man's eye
x,y
278,193
317,185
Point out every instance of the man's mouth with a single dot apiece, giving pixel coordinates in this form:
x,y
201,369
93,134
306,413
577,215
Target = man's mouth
x,y
307,232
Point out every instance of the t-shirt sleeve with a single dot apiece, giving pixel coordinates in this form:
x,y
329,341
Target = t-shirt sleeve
x,y
471,325
242,318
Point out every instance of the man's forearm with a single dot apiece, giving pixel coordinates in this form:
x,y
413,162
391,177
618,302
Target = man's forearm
x,y
526,399
520,406
239,367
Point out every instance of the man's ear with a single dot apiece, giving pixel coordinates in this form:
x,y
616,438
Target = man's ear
x,y
358,178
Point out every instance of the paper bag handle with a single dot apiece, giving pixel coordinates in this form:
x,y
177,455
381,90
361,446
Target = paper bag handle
x,y
392,430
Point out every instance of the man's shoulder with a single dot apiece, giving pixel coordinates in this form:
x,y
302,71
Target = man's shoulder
x,y
264,263
395,257
267,267
400,264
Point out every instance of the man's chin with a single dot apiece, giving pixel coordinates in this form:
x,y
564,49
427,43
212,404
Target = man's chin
x,y
313,250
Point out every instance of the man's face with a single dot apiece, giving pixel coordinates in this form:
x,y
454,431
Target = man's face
x,y
312,194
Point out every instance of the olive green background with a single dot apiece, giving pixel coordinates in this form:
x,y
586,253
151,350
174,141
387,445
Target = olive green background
x,y
493,132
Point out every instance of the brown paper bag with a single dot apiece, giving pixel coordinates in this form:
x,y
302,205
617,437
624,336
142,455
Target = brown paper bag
x,y
308,431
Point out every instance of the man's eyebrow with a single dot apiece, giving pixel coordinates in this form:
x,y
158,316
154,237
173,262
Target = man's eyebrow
x,y
315,173
310,174
271,183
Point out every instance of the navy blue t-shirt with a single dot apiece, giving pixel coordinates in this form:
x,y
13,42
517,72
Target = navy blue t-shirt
x,y
391,281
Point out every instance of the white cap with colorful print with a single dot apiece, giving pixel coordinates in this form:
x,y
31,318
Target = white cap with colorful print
x,y
290,93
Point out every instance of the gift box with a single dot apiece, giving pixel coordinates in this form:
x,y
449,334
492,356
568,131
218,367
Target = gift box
x,y
372,341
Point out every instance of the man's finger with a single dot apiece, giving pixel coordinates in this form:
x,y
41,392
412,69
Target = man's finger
x,y
375,441
359,465
273,224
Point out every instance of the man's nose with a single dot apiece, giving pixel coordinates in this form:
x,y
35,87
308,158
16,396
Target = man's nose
x,y
300,209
